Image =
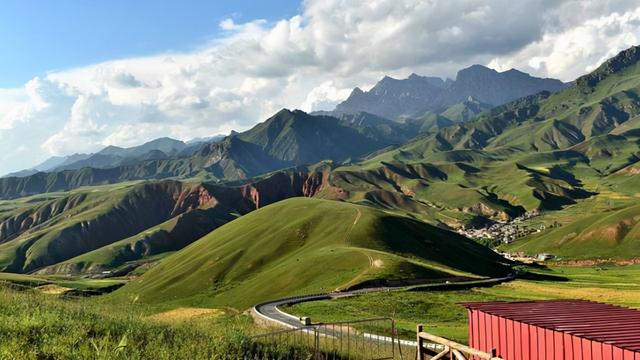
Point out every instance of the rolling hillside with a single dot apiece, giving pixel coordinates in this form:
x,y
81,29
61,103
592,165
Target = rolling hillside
x,y
304,246
613,234
116,228
71,224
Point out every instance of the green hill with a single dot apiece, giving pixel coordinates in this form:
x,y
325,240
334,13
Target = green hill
x,y
305,245
611,233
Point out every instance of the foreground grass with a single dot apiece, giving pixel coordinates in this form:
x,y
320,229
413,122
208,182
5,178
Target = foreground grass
x,y
443,315
39,326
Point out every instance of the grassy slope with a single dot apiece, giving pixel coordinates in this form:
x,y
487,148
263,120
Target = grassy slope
x,y
602,226
59,281
609,234
302,246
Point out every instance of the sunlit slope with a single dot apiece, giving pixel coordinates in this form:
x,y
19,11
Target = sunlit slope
x,y
302,245
607,225
614,234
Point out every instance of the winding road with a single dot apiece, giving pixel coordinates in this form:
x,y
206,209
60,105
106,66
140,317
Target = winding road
x,y
270,311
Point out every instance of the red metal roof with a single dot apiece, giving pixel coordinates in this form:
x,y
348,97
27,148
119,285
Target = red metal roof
x,y
600,322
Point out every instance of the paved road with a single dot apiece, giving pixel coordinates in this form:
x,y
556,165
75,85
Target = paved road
x,y
270,311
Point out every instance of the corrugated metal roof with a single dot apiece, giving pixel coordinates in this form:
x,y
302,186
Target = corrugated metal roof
x,y
600,322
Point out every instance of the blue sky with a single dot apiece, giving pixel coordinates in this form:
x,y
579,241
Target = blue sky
x,y
44,35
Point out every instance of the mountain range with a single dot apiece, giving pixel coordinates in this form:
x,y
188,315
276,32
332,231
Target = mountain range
x,y
418,95
113,156
568,154
289,138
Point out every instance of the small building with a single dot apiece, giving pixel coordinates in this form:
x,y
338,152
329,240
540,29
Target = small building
x,y
545,257
555,330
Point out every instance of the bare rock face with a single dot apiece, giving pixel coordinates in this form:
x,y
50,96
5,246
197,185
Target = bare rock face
x,y
417,95
284,185
484,210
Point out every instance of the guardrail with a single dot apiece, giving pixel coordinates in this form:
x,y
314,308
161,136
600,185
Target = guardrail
x,y
452,349
345,340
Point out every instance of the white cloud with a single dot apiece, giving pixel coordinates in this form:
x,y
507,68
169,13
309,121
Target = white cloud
x,y
572,52
309,61
324,96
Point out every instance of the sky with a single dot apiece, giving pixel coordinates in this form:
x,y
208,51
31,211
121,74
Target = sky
x,y
78,75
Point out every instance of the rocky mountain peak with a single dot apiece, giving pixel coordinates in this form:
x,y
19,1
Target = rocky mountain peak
x,y
418,95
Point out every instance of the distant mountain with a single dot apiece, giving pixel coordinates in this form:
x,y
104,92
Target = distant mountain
x,y
113,156
293,138
48,165
287,139
165,144
419,95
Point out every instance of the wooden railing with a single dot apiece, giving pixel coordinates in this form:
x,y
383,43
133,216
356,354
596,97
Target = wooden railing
x,y
451,350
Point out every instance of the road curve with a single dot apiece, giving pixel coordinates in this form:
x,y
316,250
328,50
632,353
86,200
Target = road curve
x,y
269,310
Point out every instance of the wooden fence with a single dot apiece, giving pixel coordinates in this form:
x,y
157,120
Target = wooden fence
x,y
452,350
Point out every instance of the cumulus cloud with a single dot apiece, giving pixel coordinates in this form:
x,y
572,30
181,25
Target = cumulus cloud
x,y
309,61
572,52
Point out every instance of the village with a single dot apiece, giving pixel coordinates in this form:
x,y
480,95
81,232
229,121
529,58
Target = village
x,y
504,232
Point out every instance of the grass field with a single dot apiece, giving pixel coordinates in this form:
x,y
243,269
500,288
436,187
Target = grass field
x,y
61,281
441,313
38,326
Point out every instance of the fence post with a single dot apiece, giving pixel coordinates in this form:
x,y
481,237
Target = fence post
x,y
419,341
316,334
393,340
